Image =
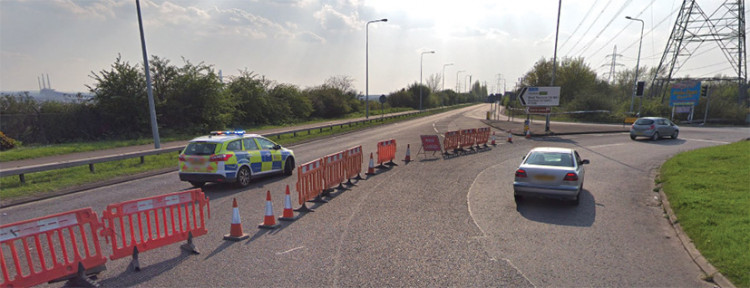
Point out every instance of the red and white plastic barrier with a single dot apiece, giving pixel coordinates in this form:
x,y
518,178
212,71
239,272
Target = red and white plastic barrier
x,y
48,248
309,182
335,170
452,141
354,158
386,152
148,223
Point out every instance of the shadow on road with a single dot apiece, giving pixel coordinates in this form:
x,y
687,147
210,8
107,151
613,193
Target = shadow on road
x,y
554,211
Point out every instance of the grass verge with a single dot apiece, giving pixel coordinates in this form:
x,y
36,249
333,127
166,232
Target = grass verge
x,y
709,190
43,183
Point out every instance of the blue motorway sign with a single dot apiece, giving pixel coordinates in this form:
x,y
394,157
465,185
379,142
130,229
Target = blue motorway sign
x,y
685,93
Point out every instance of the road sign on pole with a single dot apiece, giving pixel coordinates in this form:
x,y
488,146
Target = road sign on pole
x,y
538,109
540,96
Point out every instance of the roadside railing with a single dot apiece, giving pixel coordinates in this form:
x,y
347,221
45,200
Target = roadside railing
x,y
21,171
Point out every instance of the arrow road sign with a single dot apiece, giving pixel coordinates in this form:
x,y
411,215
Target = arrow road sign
x,y
540,96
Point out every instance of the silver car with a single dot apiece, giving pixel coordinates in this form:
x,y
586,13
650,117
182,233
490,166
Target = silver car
x,y
550,172
653,128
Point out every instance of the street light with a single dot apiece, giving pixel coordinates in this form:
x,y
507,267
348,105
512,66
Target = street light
x,y
367,63
637,64
449,64
421,56
458,84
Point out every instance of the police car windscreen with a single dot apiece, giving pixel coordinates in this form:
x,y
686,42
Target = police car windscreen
x,y
200,148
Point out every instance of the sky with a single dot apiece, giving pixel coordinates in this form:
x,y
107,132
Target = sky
x,y
305,42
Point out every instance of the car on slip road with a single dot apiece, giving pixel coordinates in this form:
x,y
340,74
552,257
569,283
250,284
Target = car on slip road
x,y
232,157
550,172
654,128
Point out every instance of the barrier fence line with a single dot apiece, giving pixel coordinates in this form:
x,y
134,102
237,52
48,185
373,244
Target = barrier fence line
x,y
451,141
467,138
354,158
335,170
386,152
309,183
54,247
148,223
482,136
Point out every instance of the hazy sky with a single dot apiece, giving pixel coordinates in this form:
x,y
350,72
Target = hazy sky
x,y
304,42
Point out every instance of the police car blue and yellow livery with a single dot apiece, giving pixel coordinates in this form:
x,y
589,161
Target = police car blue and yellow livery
x,y
234,157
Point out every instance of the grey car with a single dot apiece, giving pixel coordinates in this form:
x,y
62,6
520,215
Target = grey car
x,y
654,128
550,172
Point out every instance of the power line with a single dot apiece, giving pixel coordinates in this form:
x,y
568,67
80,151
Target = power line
x,y
590,26
579,25
617,15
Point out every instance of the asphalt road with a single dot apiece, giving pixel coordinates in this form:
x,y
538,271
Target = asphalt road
x,y
431,222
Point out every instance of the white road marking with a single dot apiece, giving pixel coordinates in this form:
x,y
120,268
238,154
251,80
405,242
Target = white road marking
x,y
704,140
605,145
290,250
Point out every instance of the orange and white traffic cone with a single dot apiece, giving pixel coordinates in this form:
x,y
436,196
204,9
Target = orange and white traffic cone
x,y
493,139
407,159
288,214
269,221
235,232
528,134
371,169
510,136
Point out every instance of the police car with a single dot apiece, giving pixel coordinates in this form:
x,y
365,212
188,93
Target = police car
x,y
232,157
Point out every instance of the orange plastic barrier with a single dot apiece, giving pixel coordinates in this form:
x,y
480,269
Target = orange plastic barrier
x,y
467,137
386,152
51,247
483,136
452,140
309,182
354,158
335,170
148,223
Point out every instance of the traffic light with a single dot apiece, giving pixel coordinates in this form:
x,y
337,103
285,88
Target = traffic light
x,y
639,88
704,91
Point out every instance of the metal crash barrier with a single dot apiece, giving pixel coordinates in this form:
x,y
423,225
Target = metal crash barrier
x,y
144,224
49,248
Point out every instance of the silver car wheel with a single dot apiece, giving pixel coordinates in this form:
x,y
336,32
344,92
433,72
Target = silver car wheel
x,y
243,177
655,136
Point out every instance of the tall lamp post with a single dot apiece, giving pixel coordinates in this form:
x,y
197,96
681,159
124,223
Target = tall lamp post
x,y
421,56
458,84
149,91
367,63
637,64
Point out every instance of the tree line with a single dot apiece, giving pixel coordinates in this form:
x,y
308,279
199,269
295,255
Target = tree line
x,y
582,90
193,99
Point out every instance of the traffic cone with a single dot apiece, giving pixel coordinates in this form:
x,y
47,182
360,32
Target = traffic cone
x,y
269,221
407,159
235,232
371,169
493,139
510,136
528,134
288,214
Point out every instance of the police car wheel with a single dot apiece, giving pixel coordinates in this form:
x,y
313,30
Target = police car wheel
x,y
243,177
288,167
197,184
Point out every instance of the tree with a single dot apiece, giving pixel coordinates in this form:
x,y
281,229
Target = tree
x,y
120,98
434,82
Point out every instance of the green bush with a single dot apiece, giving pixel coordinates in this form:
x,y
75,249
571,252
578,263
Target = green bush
x,y
7,143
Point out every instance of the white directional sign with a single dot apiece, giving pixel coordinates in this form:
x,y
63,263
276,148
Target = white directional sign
x,y
540,96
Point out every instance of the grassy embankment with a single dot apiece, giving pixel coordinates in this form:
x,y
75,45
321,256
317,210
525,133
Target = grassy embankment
x,y
47,182
709,191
